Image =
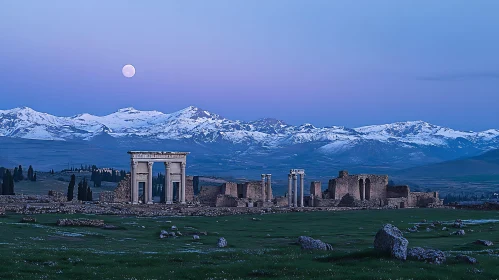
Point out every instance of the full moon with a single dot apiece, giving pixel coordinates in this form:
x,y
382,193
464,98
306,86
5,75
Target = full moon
x,y
128,71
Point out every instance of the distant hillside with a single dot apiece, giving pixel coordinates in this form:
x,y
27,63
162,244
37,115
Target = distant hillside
x,y
484,167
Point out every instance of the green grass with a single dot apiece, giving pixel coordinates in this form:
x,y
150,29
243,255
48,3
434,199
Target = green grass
x,y
258,249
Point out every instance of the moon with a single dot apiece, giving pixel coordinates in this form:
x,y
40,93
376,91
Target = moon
x,y
128,71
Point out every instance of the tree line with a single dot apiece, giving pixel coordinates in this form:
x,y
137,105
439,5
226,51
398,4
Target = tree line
x,y
17,175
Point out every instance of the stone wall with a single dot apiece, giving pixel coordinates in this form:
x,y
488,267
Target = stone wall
x,y
316,189
195,184
400,202
374,185
122,191
424,199
321,202
189,188
208,195
281,201
252,190
224,200
397,191
229,188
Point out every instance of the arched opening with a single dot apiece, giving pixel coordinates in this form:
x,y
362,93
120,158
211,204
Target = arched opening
x,y
361,189
142,191
368,189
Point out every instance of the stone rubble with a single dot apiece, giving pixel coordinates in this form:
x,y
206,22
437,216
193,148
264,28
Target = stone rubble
x,y
484,242
428,255
80,222
28,220
195,237
308,243
466,259
459,232
389,239
222,242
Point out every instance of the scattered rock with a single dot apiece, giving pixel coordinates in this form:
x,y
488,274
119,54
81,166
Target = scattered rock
x,y
179,233
484,242
195,237
413,229
80,222
28,220
256,219
164,234
174,227
458,224
445,229
308,243
427,255
459,232
428,229
466,259
203,233
390,239
113,227
222,242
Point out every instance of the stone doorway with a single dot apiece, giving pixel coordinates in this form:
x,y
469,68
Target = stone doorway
x,y
361,189
142,190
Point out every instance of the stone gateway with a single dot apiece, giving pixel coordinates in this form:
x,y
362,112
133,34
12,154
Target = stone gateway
x,y
142,175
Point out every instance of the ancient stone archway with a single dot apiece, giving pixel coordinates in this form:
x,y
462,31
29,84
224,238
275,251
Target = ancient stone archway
x,y
368,189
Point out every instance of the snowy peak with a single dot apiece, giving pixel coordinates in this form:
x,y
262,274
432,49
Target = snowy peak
x,y
203,127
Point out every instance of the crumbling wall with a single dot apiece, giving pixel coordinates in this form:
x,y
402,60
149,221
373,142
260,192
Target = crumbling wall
x,y
122,191
106,196
424,199
281,201
397,202
208,195
397,191
316,189
250,190
223,200
229,188
374,186
189,188
57,196
321,202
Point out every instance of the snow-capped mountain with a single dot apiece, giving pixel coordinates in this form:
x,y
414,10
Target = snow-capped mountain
x,y
203,126
402,142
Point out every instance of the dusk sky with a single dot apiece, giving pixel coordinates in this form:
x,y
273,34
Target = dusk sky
x,y
331,62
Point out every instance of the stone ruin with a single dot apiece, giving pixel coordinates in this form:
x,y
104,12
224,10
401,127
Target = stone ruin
x,y
361,190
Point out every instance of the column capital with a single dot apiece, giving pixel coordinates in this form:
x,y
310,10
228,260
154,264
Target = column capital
x,y
134,163
150,163
269,175
263,176
294,176
289,175
182,164
167,164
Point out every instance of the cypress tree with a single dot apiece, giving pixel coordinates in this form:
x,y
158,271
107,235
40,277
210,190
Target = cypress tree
x,y
71,187
80,187
15,174
89,194
20,175
34,178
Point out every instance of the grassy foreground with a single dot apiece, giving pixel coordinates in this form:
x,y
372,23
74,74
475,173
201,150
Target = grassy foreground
x,y
260,247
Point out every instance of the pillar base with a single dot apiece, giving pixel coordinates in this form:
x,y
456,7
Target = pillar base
x,y
150,202
169,202
135,202
183,202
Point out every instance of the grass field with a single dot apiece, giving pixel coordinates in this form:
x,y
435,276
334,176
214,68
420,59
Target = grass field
x,y
260,248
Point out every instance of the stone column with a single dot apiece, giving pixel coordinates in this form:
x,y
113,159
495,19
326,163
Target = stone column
x,y
263,188
148,192
134,187
168,184
182,184
295,195
269,186
290,190
301,189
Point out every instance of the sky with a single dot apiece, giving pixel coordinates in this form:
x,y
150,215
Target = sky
x,y
325,62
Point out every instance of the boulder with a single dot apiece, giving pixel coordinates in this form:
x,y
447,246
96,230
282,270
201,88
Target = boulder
x,y
484,242
222,242
466,259
459,232
195,237
427,255
390,239
163,234
308,243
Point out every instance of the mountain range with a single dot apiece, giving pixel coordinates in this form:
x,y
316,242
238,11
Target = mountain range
x,y
221,145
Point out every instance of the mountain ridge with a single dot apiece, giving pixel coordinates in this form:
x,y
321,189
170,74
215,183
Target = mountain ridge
x,y
399,144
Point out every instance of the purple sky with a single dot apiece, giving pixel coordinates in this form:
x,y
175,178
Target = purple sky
x,y
328,62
